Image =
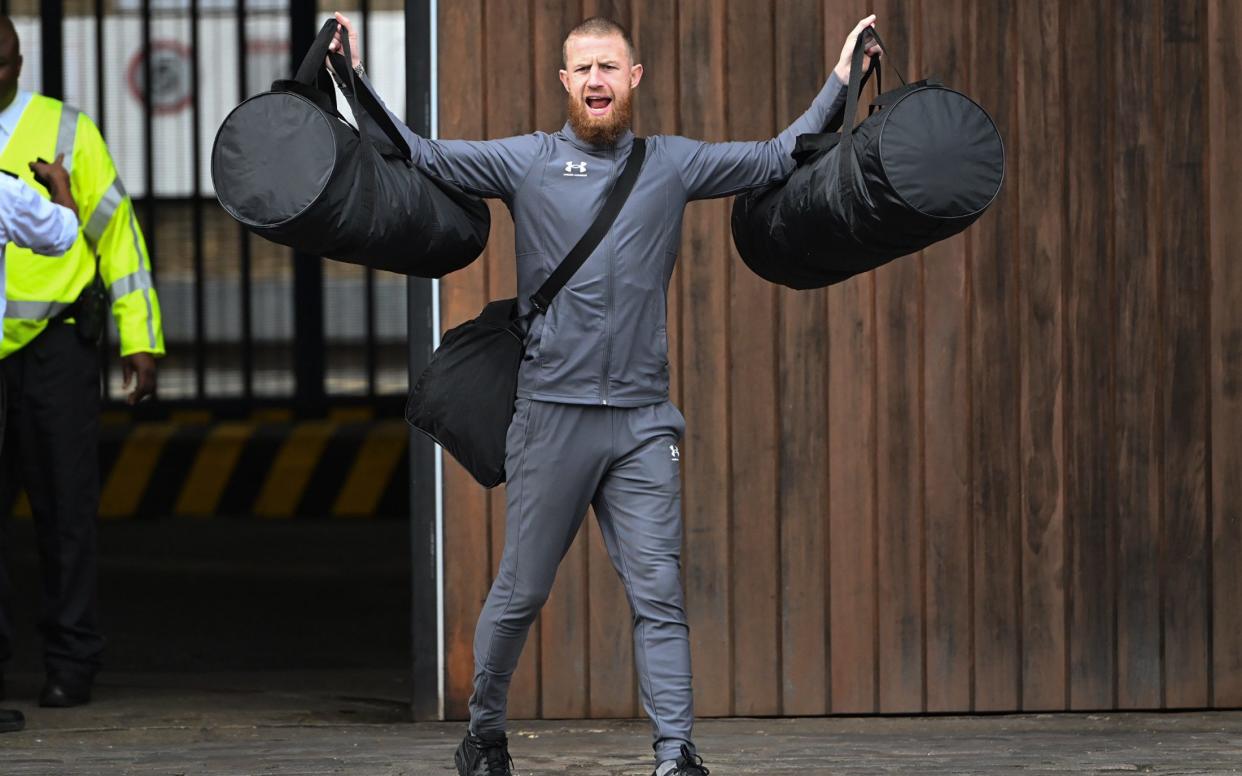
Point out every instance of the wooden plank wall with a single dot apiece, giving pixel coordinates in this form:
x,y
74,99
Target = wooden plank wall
x,y
1004,474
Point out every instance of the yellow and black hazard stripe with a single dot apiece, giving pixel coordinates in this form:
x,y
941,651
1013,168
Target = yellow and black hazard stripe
x,y
269,466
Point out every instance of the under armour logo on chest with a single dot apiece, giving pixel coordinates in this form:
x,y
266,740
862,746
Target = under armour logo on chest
x,y
575,169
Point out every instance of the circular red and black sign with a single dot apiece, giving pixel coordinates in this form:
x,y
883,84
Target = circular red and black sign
x,y
172,86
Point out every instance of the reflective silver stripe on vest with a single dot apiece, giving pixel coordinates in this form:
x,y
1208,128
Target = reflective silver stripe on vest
x,y
108,203
64,137
134,281
146,278
33,311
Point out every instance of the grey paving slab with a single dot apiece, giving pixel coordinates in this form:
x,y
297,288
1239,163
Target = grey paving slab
x,y
304,724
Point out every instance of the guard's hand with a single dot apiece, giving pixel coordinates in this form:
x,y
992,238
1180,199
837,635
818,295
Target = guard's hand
x,y
140,368
842,69
355,47
51,175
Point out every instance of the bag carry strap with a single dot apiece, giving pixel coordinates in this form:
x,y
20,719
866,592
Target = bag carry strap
x,y
603,222
858,78
834,123
361,101
373,108
853,92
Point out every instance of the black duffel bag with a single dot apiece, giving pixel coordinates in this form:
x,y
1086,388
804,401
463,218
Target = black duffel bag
x,y
464,398
291,169
923,166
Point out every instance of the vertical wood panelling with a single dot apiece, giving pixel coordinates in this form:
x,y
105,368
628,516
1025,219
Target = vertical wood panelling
x,y
803,398
899,473
657,110
1224,116
1091,481
618,10
998,475
564,624
1040,256
752,381
944,51
465,504
1140,366
852,585
551,20
852,566
705,463
995,386
1184,262
507,38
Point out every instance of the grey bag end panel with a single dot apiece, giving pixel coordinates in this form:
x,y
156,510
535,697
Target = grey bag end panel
x,y
287,166
921,168
272,176
940,152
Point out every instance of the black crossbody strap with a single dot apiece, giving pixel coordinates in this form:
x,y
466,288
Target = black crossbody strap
x,y
603,222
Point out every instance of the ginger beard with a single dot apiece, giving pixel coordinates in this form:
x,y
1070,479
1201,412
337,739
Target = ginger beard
x,y
603,130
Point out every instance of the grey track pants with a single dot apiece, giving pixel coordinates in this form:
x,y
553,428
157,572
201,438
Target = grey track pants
x,y
623,461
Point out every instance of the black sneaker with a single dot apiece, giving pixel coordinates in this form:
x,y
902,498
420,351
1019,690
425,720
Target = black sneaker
x,y
478,756
687,765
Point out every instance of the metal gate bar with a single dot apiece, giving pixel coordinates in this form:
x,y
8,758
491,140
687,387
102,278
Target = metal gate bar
x,y
371,355
183,227
309,362
105,362
196,156
51,13
148,138
244,257
425,530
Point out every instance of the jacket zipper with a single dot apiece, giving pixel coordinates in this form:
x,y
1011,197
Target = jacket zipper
x,y
608,297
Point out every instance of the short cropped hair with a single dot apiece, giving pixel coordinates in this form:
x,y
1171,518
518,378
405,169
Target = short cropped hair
x,y
599,26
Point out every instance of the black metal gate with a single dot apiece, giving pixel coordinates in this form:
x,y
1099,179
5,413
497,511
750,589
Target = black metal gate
x,y
246,322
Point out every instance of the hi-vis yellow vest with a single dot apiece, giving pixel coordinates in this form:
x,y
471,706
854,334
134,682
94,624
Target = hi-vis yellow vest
x,y
39,287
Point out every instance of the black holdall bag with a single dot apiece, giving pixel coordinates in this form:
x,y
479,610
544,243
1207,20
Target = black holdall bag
x,y
923,166
464,398
290,168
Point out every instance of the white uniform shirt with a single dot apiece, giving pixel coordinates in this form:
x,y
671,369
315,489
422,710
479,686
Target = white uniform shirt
x,y
11,115
29,220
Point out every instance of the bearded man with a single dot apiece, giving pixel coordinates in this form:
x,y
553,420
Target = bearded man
x,y
593,424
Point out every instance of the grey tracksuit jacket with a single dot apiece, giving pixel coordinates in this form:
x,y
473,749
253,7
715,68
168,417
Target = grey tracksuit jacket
x,y
603,339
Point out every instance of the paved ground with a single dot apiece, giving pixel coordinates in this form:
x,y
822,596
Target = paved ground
x,y
244,648
182,725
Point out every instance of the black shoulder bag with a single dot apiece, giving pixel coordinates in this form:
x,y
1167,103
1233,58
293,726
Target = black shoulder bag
x,y
464,398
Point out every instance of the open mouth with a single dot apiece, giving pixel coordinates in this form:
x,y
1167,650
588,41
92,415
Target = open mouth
x,y
598,106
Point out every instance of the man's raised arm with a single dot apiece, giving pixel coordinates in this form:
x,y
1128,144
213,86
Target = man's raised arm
x,y
47,228
721,169
490,168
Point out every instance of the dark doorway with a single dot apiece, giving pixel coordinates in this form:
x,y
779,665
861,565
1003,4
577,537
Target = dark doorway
x,y
256,337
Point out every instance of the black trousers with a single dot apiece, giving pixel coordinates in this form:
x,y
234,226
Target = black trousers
x,y
51,446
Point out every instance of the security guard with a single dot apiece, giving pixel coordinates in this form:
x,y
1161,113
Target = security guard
x,y
28,220
49,359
